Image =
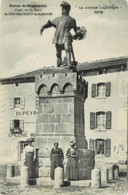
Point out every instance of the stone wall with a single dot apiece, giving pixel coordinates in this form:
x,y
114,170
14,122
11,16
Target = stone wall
x,y
27,114
61,118
116,102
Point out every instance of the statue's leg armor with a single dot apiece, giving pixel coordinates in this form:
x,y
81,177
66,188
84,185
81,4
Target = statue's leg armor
x,y
58,54
68,56
67,48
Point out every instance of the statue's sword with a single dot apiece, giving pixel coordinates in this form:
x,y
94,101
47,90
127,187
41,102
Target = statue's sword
x,y
73,56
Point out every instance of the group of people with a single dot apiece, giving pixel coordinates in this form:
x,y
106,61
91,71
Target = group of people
x,y
57,160
57,157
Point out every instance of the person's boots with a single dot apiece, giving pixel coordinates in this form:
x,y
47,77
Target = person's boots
x,y
68,59
58,62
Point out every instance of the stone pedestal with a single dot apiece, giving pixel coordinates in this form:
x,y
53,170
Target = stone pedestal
x,y
104,175
110,173
60,114
24,176
96,178
59,177
85,163
115,171
10,171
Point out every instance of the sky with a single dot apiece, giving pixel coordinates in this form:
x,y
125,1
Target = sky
x,y
24,50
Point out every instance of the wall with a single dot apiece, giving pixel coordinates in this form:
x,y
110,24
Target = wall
x,y
117,104
9,142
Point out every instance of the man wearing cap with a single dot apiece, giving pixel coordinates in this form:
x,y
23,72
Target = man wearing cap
x,y
62,37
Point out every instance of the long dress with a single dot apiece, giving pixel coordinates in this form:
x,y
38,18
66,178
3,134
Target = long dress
x,y
71,172
29,156
56,157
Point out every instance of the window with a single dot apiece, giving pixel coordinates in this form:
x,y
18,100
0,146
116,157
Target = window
x,y
17,103
101,90
100,120
101,146
16,126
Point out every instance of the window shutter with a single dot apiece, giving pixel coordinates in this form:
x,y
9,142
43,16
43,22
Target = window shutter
x,y
107,147
93,90
37,102
86,91
96,120
108,89
92,120
91,144
11,103
95,146
22,125
108,120
11,124
22,102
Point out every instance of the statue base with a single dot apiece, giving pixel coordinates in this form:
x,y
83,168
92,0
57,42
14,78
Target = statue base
x,y
62,94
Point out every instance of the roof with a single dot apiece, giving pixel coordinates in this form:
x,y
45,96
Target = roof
x,y
100,64
111,63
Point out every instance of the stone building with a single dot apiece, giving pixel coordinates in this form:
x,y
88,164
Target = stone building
x,y
105,110
18,116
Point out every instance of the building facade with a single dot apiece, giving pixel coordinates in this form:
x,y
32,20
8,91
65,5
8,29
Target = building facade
x,y
105,111
106,116
18,117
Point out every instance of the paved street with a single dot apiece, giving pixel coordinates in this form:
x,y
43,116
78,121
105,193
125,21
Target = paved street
x,y
116,187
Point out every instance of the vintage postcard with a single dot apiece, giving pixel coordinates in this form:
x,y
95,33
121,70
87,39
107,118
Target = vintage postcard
x,y
63,97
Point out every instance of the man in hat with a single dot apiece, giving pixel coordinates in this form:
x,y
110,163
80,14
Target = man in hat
x,y
62,37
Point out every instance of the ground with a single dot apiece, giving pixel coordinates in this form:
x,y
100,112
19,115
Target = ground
x,y
116,187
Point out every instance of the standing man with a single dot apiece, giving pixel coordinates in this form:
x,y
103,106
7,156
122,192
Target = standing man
x,y
62,37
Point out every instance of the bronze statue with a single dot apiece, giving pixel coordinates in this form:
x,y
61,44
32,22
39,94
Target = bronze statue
x,y
62,37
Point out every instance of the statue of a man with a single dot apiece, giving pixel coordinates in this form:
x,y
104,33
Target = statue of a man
x,y
62,37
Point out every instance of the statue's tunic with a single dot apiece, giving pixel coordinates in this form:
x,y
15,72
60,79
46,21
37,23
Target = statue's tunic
x,y
63,26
